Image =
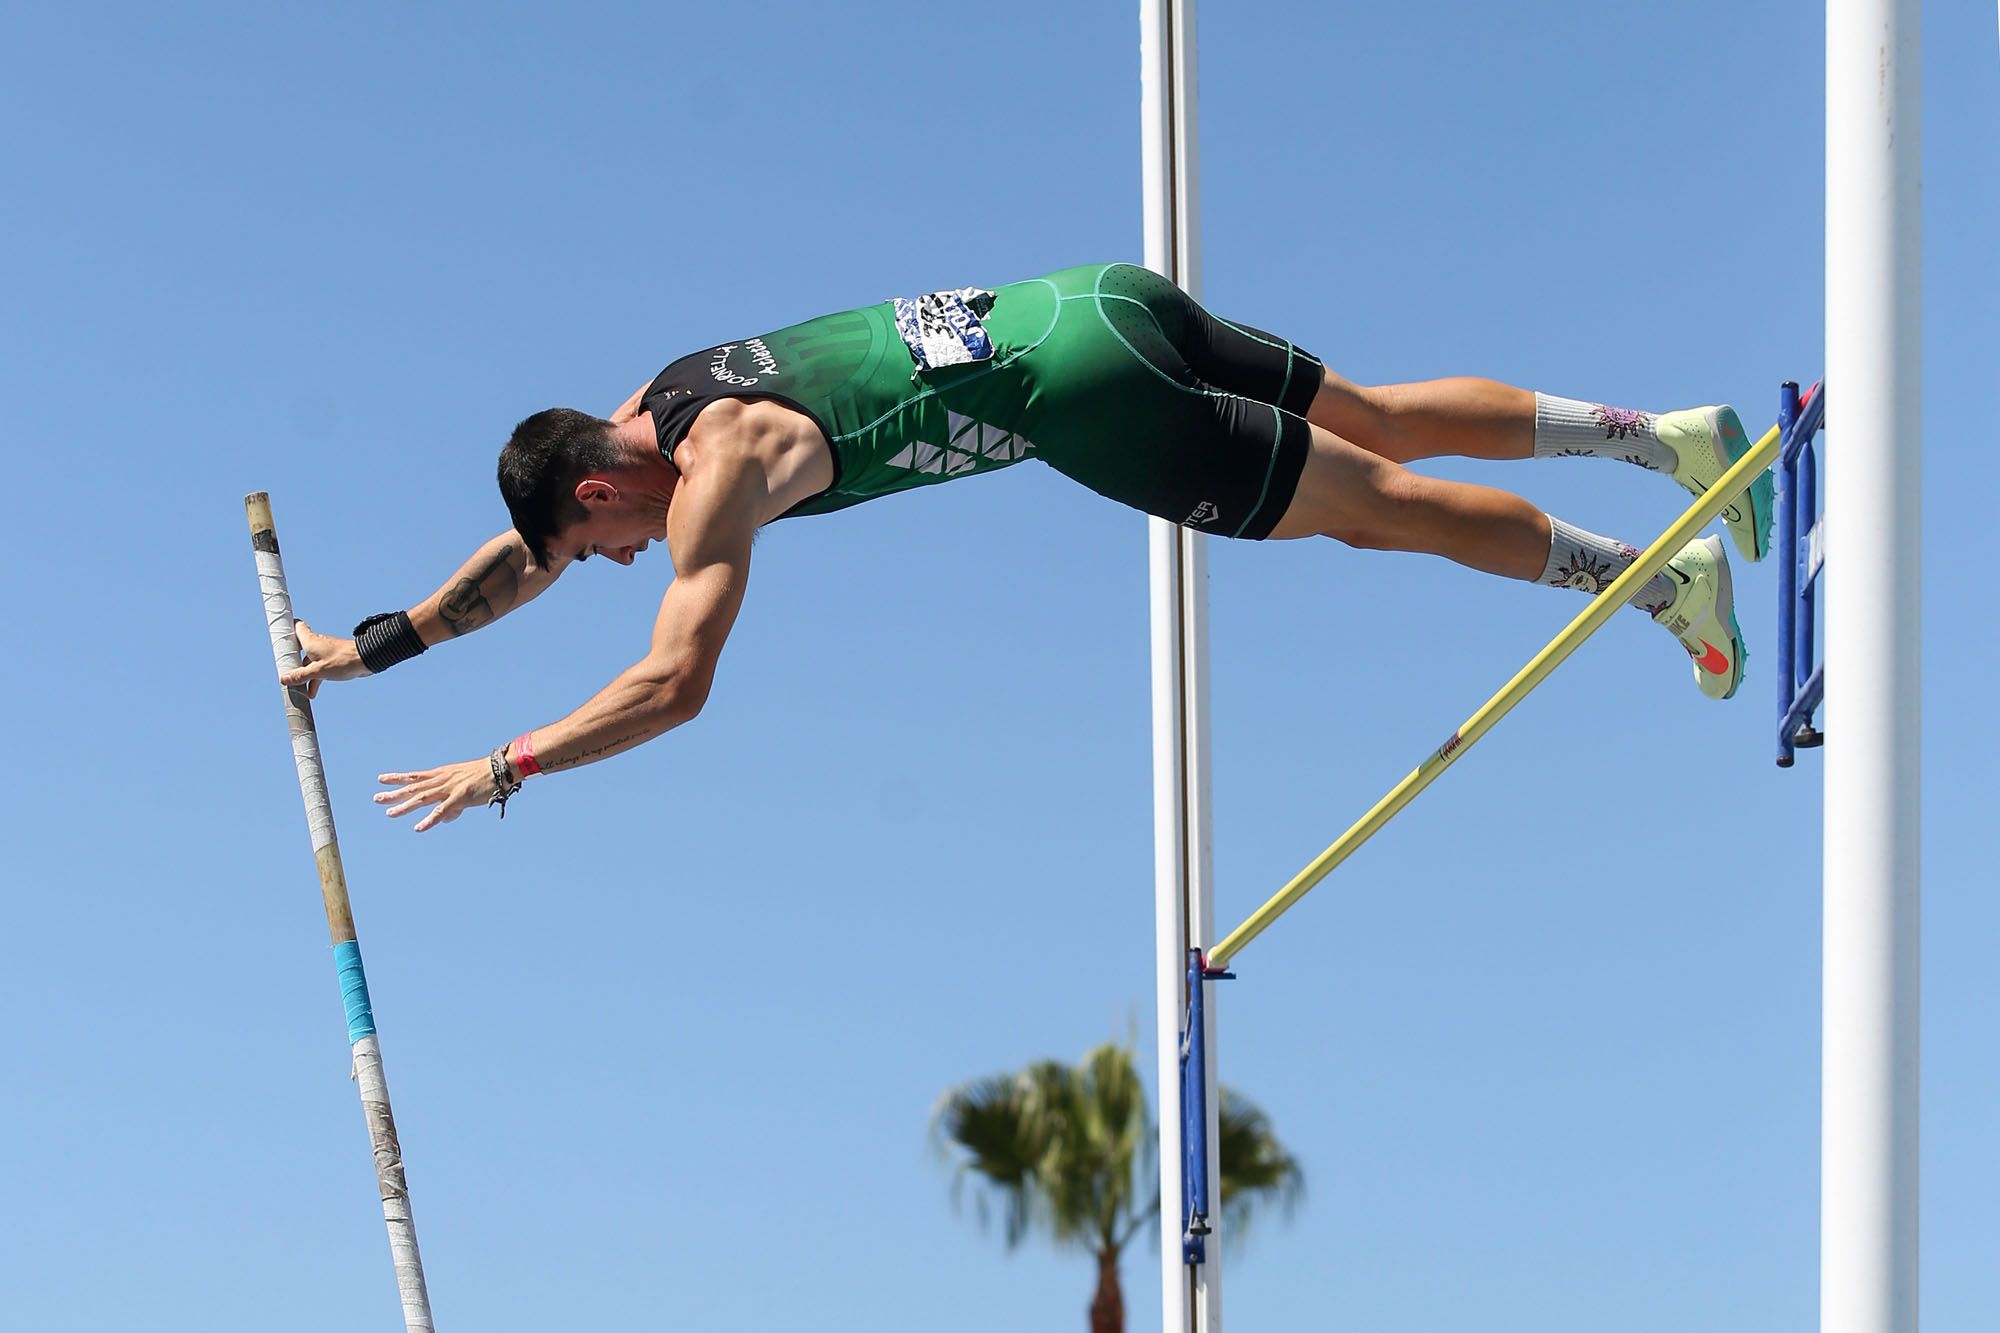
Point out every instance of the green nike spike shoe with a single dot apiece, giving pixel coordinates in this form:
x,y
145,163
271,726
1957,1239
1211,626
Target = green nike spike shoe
x,y
1707,440
1703,616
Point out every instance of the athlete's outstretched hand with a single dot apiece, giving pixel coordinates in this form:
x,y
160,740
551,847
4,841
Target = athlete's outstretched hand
x,y
323,658
449,791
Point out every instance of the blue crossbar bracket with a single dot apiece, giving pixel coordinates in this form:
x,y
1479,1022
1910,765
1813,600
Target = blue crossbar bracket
x,y
1194,1110
1801,555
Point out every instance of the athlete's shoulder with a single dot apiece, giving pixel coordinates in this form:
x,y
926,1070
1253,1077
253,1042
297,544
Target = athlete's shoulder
x,y
760,445
727,426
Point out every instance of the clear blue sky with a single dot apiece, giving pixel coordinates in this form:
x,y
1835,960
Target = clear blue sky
x,y
664,1045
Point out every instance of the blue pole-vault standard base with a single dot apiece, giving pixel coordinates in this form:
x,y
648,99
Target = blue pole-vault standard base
x,y
1801,680
1194,1111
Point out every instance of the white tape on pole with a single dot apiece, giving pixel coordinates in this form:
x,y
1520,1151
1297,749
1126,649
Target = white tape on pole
x,y
395,1189
298,708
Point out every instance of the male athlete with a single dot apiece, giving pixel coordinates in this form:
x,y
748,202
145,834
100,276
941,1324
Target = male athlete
x,y
1111,375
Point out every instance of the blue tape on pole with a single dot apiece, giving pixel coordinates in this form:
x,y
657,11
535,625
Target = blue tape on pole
x,y
354,991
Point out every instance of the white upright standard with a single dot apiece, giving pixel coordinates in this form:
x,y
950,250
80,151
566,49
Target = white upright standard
x,y
1868,1143
1191,1298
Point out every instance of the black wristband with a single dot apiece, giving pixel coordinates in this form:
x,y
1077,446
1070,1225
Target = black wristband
x,y
386,639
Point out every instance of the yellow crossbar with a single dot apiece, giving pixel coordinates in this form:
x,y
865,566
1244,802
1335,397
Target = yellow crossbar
x,y
1601,609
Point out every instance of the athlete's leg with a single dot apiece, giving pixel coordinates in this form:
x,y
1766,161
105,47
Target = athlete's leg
x,y
1465,417
1366,500
1461,417
1477,418
1150,401
1473,418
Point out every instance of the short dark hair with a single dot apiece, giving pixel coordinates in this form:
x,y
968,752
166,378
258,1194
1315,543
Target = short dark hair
x,y
540,466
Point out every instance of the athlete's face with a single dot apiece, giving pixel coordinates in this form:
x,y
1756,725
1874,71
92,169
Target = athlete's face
x,y
621,519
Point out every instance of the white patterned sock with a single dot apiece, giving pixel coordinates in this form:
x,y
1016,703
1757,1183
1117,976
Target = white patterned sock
x,y
1588,563
1567,428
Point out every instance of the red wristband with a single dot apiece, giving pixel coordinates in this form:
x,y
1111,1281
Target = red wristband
x,y
523,755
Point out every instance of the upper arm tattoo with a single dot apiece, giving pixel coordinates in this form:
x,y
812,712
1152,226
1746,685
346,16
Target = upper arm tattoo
x,y
486,594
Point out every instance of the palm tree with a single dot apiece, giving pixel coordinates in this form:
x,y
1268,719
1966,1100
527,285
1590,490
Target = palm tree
x,y
1069,1150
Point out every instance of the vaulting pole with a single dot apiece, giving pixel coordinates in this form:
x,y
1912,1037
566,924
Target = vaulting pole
x,y
1184,913
1869,1051
367,1068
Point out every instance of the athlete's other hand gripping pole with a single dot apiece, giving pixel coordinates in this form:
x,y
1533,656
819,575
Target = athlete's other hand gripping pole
x,y
340,923
1703,511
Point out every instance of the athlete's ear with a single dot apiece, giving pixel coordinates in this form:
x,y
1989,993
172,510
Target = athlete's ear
x,y
595,491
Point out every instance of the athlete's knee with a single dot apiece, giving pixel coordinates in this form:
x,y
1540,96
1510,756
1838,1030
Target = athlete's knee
x,y
1388,410
1397,493
1391,402
1390,511
1368,415
1380,508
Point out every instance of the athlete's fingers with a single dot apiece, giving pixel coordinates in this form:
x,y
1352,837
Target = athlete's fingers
x,y
443,814
405,786
407,796
323,658
299,675
449,791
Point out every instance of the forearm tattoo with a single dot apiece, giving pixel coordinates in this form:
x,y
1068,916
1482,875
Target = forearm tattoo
x,y
585,756
478,599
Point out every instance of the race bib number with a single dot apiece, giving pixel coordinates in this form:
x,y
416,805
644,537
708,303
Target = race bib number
x,y
944,329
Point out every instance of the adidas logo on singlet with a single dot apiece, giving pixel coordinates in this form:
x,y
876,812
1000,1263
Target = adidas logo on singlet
x,y
972,446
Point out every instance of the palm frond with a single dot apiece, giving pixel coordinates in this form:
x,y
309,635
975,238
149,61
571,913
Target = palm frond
x,y
1256,1168
991,1120
1071,1150
1054,1146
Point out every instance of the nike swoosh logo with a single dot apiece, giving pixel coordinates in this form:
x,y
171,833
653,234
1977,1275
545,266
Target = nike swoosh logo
x,y
1715,663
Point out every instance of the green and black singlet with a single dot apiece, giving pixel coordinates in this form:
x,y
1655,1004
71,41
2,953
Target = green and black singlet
x,y
1108,373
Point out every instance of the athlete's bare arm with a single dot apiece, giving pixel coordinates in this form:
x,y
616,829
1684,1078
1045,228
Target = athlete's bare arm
x,y
498,577
715,513
724,493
